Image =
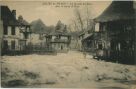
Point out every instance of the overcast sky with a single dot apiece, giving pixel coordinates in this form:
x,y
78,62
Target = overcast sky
x,y
50,14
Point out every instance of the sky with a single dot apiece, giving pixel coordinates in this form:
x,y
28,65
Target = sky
x,y
50,14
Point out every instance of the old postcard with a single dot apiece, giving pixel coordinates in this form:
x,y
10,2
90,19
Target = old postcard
x,y
68,44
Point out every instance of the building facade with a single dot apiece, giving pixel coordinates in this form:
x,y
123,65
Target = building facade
x,y
15,33
59,42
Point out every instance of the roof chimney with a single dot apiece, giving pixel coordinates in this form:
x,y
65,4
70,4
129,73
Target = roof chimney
x,y
14,13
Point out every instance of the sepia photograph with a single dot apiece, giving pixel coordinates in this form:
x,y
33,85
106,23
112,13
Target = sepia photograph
x,y
68,44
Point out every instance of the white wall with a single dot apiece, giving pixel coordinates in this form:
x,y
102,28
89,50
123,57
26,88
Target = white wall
x,y
9,30
17,33
97,27
9,43
15,37
57,46
35,39
64,38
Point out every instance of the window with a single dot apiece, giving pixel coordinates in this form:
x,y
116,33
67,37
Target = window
x,y
99,46
5,45
27,29
13,45
26,36
97,27
13,30
61,47
5,30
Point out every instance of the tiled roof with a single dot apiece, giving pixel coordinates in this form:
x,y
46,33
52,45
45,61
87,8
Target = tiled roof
x,y
23,22
118,10
7,16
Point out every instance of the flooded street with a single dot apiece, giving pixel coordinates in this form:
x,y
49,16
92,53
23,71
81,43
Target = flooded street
x,y
107,84
68,70
68,44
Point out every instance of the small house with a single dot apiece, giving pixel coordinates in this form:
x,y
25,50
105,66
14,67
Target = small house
x,y
59,40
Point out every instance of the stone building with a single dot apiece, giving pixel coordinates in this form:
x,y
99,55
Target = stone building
x,y
15,33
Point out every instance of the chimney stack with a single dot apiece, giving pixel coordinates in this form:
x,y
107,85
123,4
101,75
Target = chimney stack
x,y
14,13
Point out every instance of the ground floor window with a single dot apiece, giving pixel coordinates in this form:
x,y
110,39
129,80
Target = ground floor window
x,y
61,47
13,45
22,44
5,45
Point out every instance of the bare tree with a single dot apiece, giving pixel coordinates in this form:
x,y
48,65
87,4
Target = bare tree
x,y
87,17
79,18
76,27
82,18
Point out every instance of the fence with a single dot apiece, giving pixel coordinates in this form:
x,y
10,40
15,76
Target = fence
x,y
31,49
